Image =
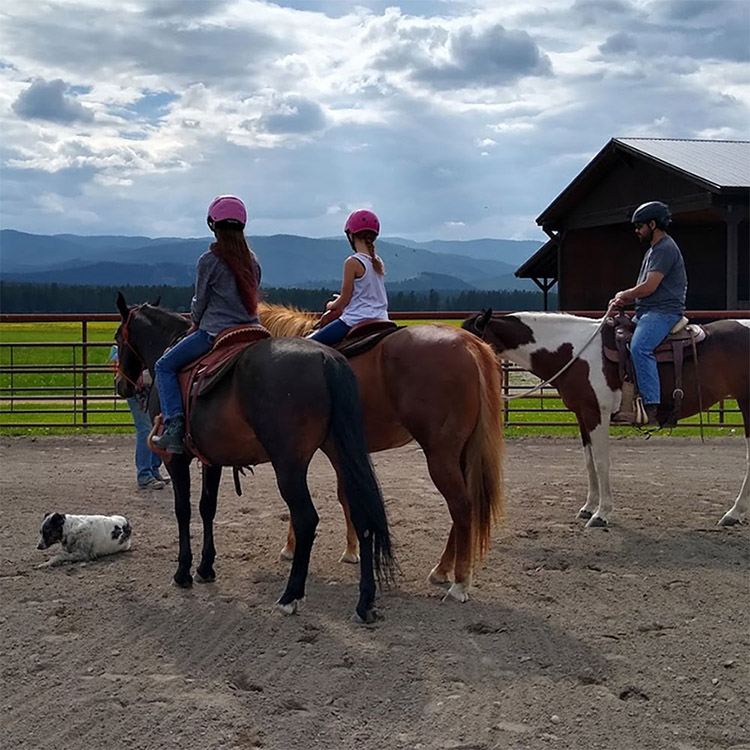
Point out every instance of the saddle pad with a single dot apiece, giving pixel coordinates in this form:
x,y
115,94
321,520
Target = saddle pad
x,y
361,344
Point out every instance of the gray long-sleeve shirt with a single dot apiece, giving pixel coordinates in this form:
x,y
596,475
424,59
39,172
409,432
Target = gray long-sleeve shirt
x,y
217,303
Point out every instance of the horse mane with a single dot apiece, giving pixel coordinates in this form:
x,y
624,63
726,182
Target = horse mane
x,y
283,320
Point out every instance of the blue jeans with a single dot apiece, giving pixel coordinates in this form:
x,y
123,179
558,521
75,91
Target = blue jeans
x,y
146,463
332,333
651,329
167,367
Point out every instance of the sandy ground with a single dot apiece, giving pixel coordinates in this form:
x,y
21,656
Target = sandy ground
x,y
631,637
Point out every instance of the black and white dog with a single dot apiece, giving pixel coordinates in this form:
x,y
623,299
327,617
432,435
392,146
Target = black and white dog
x,y
83,537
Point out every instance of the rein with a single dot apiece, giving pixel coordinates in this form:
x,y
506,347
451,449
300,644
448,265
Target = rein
x,y
126,340
547,382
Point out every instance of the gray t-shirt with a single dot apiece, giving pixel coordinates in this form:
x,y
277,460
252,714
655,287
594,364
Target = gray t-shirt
x,y
217,303
669,296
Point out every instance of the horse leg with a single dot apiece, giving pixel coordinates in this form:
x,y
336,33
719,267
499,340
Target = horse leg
x,y
292,481
742,503
350,554
592,494
287,553
448,478
599,438
179,470
441,572
211,477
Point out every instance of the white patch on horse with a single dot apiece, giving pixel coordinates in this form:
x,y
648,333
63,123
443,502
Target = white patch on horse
x,y
552,331
743,322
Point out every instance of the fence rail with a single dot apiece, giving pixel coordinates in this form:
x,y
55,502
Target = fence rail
x,y
82,388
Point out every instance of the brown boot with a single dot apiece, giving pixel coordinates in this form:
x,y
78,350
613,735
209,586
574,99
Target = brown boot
x,y
651,410
623,418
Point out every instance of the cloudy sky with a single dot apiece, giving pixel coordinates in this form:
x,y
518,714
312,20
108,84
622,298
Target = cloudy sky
x,y
453,119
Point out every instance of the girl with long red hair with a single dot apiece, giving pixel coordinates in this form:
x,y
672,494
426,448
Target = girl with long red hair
x,y
226,295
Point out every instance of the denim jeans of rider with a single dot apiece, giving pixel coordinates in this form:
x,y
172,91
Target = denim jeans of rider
x,y
332,333
167,367
651,329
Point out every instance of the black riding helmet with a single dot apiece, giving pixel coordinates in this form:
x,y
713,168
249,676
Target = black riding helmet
x,y
652,211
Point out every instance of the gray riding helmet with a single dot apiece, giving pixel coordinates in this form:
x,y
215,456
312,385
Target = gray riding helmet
x,y
652,211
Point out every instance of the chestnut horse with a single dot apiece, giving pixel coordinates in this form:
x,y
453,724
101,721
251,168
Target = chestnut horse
x,y
283,399
591,388
440,386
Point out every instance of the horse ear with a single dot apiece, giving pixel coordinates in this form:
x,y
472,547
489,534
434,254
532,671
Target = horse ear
x,y
158,300
122,306
484,317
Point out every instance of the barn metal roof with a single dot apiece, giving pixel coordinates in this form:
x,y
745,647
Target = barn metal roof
x,y
723,164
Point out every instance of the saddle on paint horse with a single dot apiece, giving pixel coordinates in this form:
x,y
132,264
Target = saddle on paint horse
x,y
679,345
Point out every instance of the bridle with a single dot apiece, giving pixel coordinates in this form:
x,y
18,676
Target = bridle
x,y
125,331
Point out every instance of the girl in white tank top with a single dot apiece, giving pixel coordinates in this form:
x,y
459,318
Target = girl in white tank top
x,y
363,296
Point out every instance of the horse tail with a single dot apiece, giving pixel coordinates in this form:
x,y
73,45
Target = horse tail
x,y
361,487
483,453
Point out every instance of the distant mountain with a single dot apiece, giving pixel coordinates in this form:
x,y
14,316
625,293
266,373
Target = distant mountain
x,y
287,261
424,282
514,252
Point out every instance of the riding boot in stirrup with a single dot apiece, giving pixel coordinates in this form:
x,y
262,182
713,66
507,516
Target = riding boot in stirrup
x,y
171,439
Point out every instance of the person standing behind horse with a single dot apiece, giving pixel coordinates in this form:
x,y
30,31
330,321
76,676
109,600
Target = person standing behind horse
x,y
363,296
226,295
659,297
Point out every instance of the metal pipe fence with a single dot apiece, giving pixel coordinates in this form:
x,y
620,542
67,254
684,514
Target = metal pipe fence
x,y
40,381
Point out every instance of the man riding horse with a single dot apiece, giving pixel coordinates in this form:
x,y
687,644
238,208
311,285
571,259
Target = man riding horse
x,y
659,297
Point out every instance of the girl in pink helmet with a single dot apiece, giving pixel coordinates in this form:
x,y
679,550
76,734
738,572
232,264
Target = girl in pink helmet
x,y
226,295
363,295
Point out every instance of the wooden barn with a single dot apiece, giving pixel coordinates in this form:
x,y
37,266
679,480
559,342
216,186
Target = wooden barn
x,y
593,251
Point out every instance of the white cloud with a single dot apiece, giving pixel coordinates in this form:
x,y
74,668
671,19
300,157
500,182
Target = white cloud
x,y
131,117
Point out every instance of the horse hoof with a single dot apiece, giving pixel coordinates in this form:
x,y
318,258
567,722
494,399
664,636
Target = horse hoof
x,y
368,619
286,555
729,521
596,522
290,608
437,578
209,577
583,513
458,592
183,581
350,558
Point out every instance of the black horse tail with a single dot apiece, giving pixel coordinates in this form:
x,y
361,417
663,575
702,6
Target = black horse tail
x,y
360,485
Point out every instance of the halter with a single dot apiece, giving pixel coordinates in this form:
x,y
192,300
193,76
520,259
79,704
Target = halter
x,y
126,340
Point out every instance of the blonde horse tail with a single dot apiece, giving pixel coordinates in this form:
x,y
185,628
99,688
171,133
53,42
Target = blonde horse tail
x,y
483,453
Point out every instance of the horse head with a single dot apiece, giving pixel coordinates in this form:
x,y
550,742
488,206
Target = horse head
x,y
145,332
503,333
130,363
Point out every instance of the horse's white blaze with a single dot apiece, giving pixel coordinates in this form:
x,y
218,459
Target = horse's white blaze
x,y
742,503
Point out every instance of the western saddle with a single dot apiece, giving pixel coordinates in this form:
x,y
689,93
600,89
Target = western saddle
x,y
679,345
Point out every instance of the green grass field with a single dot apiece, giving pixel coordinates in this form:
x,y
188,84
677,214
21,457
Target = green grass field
x,y
103,414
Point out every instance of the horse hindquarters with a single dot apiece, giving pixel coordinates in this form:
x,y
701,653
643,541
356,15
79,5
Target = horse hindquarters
x,y
446,386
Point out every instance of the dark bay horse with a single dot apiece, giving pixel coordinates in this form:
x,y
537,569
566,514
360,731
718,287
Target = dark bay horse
x,y
591,388
440,386
284,399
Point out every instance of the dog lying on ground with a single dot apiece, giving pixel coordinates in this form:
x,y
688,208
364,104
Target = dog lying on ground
x,y
83,538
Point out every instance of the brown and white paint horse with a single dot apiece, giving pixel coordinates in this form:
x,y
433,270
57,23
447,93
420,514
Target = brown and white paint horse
x,y
591,387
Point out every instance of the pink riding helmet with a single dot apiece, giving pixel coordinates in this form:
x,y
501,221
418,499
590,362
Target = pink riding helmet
x,y
360,220
227,208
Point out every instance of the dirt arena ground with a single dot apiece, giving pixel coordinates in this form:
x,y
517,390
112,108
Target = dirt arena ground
x,y
632,637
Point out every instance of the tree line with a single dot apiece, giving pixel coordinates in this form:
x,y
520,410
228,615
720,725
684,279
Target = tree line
x,y
63,298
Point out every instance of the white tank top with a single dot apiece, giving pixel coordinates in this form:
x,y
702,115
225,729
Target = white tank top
x,y
369,300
